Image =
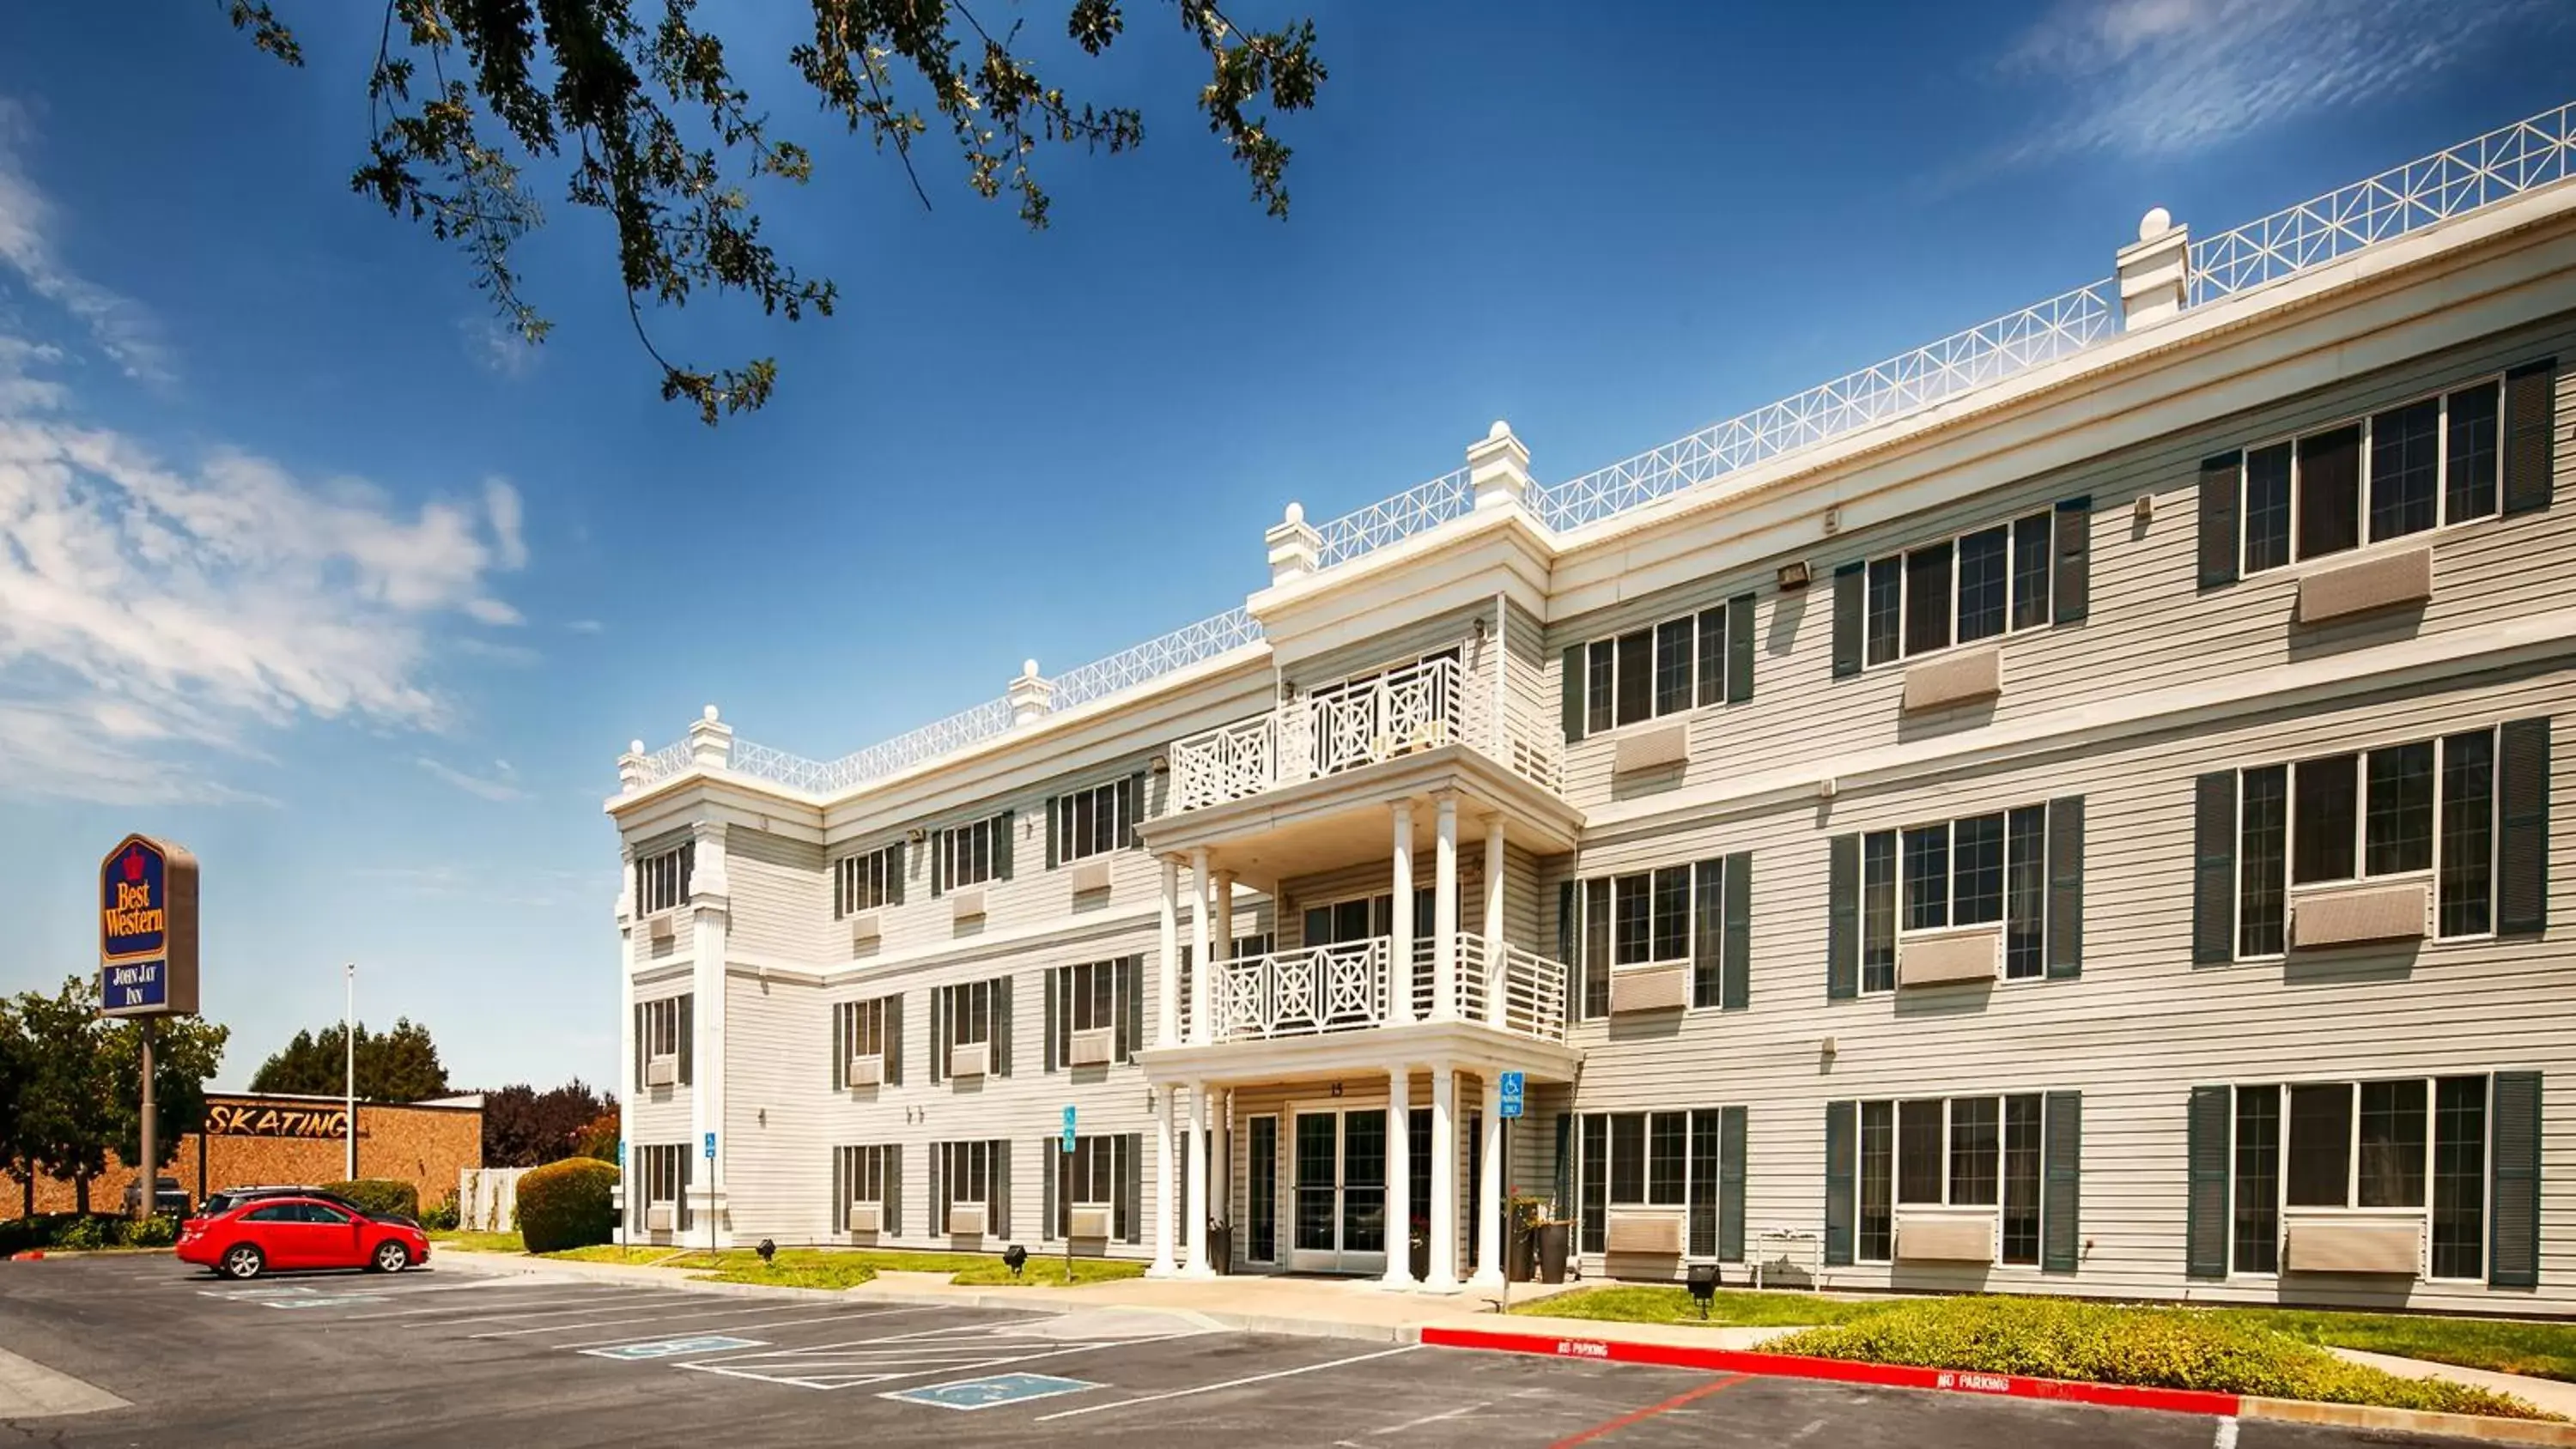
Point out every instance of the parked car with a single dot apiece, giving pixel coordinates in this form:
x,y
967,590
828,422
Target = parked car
x,y
167,1197
224,1199
287,1233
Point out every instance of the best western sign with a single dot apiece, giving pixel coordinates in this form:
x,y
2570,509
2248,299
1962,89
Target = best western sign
x,y
147,930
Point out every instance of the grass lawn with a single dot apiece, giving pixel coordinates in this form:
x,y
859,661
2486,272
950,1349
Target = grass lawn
x,y
1655,1303
2541,1350
465,1242
640,1255
835,1268
1048,1272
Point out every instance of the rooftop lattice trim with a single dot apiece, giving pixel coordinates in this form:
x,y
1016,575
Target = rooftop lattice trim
x,y
1155,658
2503,163
1417,509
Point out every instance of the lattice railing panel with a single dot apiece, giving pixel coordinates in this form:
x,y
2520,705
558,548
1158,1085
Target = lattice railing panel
x,y
1155,658
1391,520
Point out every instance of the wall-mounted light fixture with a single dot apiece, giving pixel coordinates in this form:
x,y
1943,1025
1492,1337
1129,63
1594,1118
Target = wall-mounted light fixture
x,y
1483,627
2145,508
1160,765
1794,576
915,835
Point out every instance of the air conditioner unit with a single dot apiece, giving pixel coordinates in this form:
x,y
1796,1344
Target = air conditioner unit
x,y
865,929
658,1218
1090,875
661,1071
966,1220
1093,1048
1645,1234
663,927
1090,1222
970,1059
868,1071
966,905
866,1217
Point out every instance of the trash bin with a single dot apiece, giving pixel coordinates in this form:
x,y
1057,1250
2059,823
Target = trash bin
x,y
1551,1251
1221,1247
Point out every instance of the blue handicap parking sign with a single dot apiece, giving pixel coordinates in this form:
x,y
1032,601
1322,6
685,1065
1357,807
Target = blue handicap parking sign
x,y
1511,1091
1068,1129
986,1393
711,1147
670,1347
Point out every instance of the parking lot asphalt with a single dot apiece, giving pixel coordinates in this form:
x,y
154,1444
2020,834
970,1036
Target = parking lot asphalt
x,y
460,1357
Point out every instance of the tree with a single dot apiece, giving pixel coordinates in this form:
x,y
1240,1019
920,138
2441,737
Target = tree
x,y
523,1127
600,1137
398,1066
68,1110
653,120
186,1051
17,1080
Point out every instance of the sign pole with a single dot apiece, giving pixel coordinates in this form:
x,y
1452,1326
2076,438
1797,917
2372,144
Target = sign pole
x,y
1511,1217
147,1197
349,1067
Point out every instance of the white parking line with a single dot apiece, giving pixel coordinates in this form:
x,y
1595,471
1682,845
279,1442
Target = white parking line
x,y
591,1303
733,1312
1228,1384
882,1360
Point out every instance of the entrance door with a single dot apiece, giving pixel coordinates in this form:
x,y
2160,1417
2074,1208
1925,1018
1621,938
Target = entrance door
x,y
1261,1191
1340,1160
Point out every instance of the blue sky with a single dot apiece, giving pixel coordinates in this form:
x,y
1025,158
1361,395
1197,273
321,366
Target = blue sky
x,y
304,564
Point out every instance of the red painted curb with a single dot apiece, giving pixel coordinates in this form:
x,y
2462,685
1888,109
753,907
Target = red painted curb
x,y
32,1255
1893,1376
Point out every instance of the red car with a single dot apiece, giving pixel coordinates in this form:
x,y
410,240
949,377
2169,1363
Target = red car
x,y
298,1232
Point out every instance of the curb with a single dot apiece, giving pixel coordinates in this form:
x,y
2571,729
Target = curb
x,y
2411,1421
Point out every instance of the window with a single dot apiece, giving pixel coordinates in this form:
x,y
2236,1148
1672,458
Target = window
x,y
1098,1167
969,1174
866,1173
1973,871
1951,1152
1669,668
1645,1161
1673,915
663,1031
969,1013
2423,807
662,879
869,882
662,1171
2406,470
967,852
866,1029
2402,1144
1092,996
1976,586
1095,821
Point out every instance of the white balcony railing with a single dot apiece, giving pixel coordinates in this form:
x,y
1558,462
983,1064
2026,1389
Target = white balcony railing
x,y
1345,987
1360,722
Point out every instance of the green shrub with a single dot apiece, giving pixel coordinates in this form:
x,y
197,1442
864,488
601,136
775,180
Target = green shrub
x,y
380,1195
157,1231
442,1218
84,1234
2103,1343
565,1205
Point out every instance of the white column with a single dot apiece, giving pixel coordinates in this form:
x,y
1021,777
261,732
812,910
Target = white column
x,y
1399,1178
1197,1267
626,961
1399,969
1225,915
1167,971
1489,1190
1444,912
1221,1161
1444,1181
1202,1026
1167,1102
711,899
1496,978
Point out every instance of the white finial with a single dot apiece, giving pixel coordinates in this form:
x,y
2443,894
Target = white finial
x,y
2154,224
1296,513
634,747
710,713
1499,431
1028,669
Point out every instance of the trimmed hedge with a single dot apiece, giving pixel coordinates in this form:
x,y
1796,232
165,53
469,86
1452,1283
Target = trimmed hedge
x,y
565,1205
2103,1343
76,1232
380,1195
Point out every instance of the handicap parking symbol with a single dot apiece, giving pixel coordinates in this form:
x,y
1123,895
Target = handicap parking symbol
x,y
986,1393
672,1347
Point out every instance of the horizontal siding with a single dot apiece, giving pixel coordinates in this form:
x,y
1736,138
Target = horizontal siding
x,y
782,896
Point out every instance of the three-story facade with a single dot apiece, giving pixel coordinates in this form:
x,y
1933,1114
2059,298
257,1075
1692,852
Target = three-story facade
x,y
2064,811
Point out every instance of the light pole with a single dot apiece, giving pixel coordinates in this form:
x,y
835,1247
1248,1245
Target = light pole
x,y
349,1065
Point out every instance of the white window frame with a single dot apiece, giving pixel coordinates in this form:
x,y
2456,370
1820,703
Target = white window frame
x,y
969,1005
863,1171
1086,1190
662,879
864,1028
1107,800
971,1160
1896,1202
1700,686
1950,913
1577,970
662,1035
660,1166
1078,1002
956,843
865,881
2367,543
2352,1167
1691,1169
2431,875
1904,585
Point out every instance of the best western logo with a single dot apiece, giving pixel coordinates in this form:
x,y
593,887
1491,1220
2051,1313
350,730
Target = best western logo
x,y
133,913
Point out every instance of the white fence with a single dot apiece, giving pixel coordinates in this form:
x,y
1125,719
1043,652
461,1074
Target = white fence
x,y
487,1199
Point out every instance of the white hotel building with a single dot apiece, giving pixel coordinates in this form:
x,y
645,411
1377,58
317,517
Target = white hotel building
x,y
2064,810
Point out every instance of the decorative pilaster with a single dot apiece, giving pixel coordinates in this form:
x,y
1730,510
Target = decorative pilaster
x,y
1498,469
1399,1177
1031,697
710,905
630,768
1444,1180
2154,272
710,742
1295,547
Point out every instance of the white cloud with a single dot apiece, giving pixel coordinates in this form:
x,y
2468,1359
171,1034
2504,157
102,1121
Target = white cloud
x,y
2163,78
497,347
118,325
586,626
489,787
502,502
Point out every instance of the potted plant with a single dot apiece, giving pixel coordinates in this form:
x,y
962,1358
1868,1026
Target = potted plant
x,y
1524,1214
1220,1245
1553,1236
1419,1239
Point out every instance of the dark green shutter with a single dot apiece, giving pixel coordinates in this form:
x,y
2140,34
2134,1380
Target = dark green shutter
x,y
1565,939
1564,1164
2072,589
997,1192
1131,1188
2061,1164
1054,1012
1840,1147
938,863
894,871
840,1050
2530,418
1730,1185
1001,1026
1842,921
2222,499
2522,854
893,1190
2213,893
1131,1019
2513,1253
1735,985
636,1087
1052,1222
1002,834
1849,599
1135,795
894,1040
2066,886
688,1038
1055,848
1739,648
2205,1224
1571,708
1708,932
938,1035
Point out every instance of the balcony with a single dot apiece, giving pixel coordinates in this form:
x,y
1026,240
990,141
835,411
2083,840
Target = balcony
x,y
1345,987
1366,721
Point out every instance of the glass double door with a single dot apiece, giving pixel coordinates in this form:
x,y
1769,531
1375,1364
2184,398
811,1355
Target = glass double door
x,y
1339,1161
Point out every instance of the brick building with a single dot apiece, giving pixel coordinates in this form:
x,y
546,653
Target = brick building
x,y
297,1139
